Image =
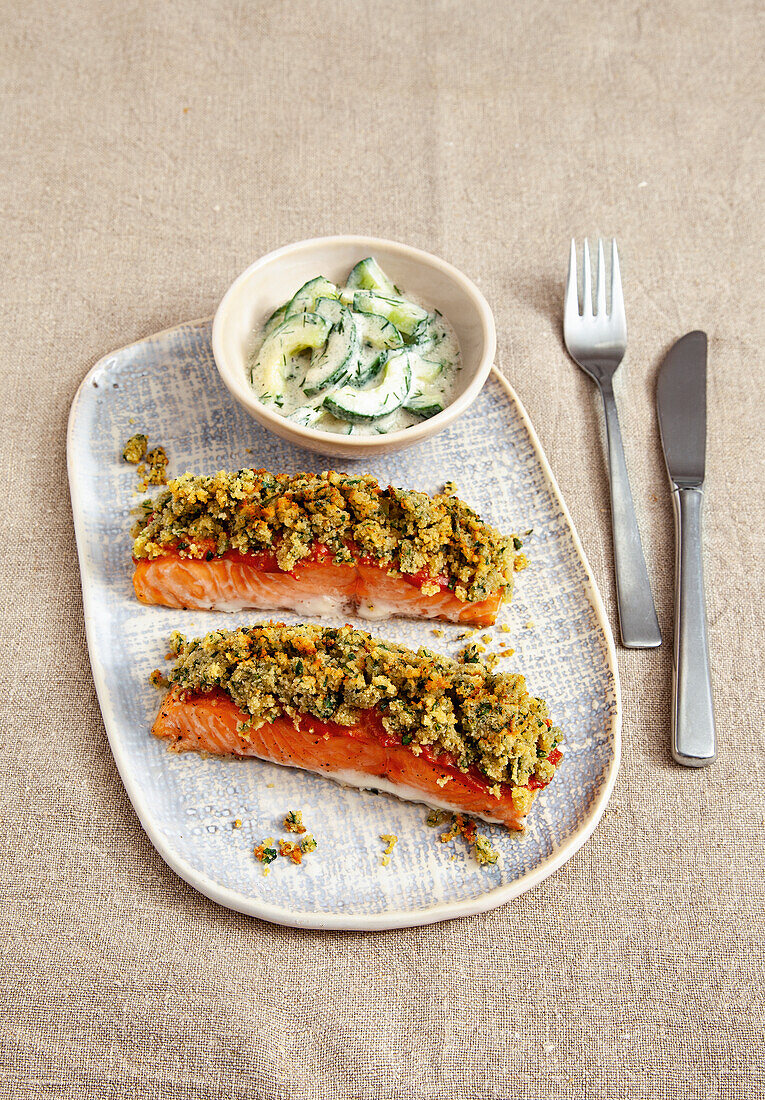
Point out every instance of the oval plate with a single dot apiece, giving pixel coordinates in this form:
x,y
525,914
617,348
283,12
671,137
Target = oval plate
x,y
167,387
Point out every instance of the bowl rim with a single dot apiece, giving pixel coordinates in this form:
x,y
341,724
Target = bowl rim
x,y
404,436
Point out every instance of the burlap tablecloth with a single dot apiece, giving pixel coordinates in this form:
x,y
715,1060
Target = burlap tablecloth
x,y
150,152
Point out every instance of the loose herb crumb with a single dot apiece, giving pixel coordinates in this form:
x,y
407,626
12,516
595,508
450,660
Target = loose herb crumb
x,y
290,850
465,827
156,474
237,824
135,448
483,850
391,841
152,471
293,822
158,679
266,852
436,817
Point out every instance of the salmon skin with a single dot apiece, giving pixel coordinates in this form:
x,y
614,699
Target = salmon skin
x,y
364,755
316,586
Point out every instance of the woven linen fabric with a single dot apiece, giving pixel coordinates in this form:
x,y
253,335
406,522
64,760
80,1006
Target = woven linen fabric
x,y
150,152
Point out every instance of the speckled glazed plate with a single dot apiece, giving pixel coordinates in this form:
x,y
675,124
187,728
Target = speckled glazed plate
x,y
167,386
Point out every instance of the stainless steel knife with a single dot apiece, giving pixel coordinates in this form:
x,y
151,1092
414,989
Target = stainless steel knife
x,y
681,400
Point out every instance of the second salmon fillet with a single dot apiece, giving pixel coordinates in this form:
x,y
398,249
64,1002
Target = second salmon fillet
x,y
365,712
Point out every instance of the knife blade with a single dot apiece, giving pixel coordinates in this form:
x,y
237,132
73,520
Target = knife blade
x,y
681,397
682,410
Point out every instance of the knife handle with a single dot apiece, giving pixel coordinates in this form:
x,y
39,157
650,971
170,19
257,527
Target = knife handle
x,y
693,721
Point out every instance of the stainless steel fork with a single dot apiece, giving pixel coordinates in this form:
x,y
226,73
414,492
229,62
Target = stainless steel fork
x,y
597,341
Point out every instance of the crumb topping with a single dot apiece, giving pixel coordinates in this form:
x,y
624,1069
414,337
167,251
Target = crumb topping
x,y
480,717
437,538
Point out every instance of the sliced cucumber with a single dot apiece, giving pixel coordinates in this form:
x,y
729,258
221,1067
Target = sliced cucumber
x,y
307,415
369,366
274,320
331,308
308,295
429,333
425,398
361,406
378,336
294,335
338,361
420,404
378,332
368,275
404,315
421,334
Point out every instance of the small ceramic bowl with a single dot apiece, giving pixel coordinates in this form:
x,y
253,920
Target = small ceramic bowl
x,y
275,277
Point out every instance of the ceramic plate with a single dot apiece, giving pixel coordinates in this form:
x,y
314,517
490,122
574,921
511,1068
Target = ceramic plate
x,y
167,386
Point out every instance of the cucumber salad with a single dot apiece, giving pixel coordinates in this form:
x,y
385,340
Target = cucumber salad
x,y
358,359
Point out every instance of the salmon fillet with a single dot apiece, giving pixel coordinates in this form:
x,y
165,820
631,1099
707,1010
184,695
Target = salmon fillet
x,y
316,586
319,544
364,755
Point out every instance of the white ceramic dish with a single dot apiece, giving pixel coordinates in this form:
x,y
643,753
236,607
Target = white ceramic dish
x,y
187,804
274,278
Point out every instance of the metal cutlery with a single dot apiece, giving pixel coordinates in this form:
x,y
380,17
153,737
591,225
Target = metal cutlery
x,y
597,341
682,407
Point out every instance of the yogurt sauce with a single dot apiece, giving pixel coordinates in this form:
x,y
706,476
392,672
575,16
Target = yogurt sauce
x,y
435,361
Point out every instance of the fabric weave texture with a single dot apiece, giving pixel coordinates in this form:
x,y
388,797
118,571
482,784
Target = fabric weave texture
x,y
151,151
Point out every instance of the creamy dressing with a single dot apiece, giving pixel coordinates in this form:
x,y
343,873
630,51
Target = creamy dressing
x,y
434,360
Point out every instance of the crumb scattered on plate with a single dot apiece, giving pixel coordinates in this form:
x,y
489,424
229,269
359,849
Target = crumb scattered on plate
x,y
135,448
465,827
390,840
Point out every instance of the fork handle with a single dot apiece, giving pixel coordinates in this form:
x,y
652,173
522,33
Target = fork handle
x,y
637,613
693,720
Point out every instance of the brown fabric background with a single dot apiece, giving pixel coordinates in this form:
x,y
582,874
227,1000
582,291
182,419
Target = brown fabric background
x,y
150,152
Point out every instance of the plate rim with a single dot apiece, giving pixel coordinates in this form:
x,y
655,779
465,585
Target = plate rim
x,y
277,914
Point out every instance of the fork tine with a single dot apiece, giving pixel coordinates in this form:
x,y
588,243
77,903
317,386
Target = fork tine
x,y
571,303
617,297
586,282
601,287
